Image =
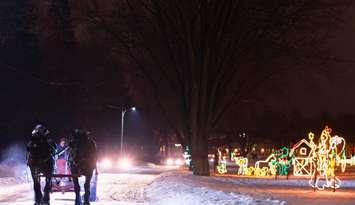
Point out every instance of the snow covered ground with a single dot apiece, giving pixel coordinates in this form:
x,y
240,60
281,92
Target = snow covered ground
x,y
179,187
294,191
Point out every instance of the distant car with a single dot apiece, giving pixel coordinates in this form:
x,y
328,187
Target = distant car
x,y
107,164
177,161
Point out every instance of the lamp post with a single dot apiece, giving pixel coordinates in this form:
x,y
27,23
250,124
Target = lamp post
x,y
122,125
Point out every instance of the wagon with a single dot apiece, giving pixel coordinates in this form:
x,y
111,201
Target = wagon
x,y
62,180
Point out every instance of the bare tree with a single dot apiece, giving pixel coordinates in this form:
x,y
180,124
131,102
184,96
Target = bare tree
x,y
202,57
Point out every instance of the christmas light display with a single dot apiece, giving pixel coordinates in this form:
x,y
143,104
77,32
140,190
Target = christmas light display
x,y
277,163
344,162
222,162
282,162
301,155
329,153
318,161
242,163
260,172
222,167
264,167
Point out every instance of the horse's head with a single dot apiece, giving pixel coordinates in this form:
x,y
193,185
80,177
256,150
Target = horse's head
x,y
80,135
40,130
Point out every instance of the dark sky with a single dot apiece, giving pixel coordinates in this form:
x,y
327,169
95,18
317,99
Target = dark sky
x,y
28,99
331,91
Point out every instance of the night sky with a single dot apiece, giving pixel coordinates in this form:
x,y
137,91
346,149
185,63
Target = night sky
x,y
331,91
63,93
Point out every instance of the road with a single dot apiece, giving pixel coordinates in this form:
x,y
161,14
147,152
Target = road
x,y
119,187
130,187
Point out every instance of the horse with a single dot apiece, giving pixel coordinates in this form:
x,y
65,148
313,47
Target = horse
x,y
82,162
40,152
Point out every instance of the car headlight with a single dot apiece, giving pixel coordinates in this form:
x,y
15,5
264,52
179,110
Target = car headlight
x,y
106,163
169,162
178,162
124,163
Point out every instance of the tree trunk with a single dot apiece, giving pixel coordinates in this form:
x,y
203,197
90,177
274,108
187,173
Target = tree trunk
x,y
200,155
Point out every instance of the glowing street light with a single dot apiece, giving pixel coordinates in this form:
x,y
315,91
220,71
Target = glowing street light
x,y
122,125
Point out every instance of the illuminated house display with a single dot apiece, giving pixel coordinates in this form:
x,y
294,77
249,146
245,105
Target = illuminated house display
x,y
317,161
302,157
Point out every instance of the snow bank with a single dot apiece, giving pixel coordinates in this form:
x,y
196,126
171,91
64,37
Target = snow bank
x,y
12,163
11,181
71,203
183,189
348,183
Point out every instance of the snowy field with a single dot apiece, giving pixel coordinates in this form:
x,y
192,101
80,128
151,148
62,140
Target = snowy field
x,y
160,186
177,188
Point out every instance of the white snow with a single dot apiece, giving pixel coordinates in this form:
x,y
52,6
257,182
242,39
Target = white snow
x,y
183,188
301,182
294,191
11,181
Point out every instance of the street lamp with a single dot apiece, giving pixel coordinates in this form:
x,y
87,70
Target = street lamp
x,y
122,125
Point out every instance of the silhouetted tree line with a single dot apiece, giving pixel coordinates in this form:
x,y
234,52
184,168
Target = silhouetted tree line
x,y
203,58
192,62
52,73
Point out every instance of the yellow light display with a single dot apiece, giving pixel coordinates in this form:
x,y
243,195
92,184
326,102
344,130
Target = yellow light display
x,y
222,163
329,153
302,153
242,163
318,161
265,167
